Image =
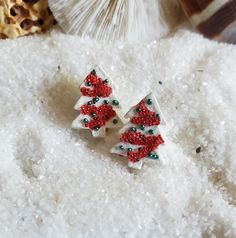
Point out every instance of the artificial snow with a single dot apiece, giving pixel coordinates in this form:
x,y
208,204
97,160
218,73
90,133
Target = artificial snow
x,y
59,182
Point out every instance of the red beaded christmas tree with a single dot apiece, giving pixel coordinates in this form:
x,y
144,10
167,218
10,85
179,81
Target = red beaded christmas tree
x,y
141,138
97,106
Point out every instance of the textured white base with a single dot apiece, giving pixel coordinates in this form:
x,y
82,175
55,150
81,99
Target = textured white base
x,y
57,182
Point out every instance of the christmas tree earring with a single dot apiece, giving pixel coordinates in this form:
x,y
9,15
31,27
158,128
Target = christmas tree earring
x,y
97,106
140,138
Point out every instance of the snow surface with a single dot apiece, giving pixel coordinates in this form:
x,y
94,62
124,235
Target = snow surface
x,y
58,182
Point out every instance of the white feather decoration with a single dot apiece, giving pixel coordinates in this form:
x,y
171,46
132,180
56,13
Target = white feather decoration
x,y
109,20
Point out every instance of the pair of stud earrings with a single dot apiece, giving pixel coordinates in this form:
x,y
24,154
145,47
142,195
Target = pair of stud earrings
x,y
99,110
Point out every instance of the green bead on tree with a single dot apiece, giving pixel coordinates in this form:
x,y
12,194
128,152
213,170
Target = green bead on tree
x,y
149,102
96,99
85,120
93,72
96,128
115,102
151,131
142,127
115,121
133,128
106,102
153,155
121,147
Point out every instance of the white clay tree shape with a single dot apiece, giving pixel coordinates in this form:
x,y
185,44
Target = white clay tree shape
x,y
97,106
140,138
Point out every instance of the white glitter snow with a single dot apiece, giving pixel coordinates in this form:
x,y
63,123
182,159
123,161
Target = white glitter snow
x,y
58,182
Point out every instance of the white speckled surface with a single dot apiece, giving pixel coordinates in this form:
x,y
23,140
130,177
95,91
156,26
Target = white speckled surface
x,y
56,182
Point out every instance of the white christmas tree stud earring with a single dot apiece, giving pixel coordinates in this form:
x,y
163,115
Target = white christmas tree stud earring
x,y
97,106
140,138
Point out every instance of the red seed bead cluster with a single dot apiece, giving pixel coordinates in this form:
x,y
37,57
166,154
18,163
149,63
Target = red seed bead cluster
x,y
149,143
99,88
144,116
99,115
136,156
93,79
137,138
